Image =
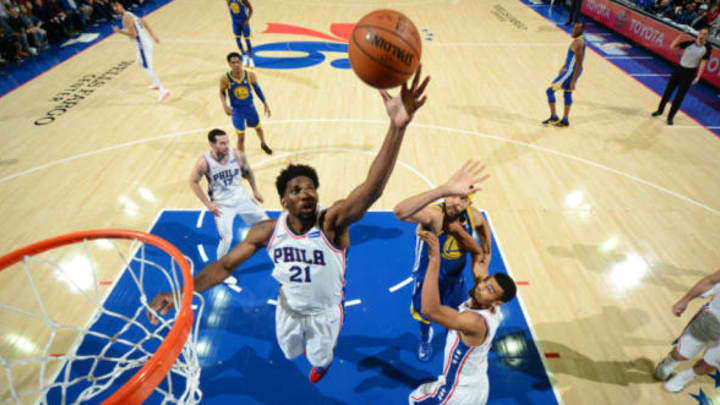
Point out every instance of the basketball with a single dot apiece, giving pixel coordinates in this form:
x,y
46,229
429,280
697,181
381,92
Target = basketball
x,y
384,49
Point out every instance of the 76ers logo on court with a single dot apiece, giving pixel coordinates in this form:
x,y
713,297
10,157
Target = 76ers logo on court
x,y
311,52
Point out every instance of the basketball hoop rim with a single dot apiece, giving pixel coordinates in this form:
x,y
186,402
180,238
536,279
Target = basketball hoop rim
x,y
143,383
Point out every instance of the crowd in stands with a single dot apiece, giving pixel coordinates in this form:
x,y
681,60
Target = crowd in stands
x,y
31,26
696,14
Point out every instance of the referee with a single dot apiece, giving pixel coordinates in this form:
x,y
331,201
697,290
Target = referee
x,y
687,72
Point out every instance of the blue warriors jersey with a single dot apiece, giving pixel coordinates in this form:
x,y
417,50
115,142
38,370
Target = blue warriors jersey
x,y
239,91
238,12
570,58
562,81
452,258
451,281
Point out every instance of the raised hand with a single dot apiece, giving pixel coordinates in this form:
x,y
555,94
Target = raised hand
x,y
431,241
162,304
467,179
402,107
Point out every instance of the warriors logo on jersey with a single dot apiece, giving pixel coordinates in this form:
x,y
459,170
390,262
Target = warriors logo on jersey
x,y
451,250
241,93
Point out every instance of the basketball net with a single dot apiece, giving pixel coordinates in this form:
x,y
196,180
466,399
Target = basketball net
x,y
118,356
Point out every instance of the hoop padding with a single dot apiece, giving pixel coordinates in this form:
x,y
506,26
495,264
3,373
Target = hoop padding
x,y
143,383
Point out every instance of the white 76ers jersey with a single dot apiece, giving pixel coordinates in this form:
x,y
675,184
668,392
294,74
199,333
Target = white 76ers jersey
x,y
224,184
466,366
309,268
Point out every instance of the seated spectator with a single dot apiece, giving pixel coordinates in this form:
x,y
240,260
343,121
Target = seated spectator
x,y
51,21
661,8
688,14
101,10
708,17
19,29
37,35
644,4
9,46
79,12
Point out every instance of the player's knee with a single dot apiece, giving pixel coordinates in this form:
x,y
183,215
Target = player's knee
x,y
550,95
567,97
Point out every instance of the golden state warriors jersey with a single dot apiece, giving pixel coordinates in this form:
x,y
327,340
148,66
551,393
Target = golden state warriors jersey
x,y
452,258
238,13
239,90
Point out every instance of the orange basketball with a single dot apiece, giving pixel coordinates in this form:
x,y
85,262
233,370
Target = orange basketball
x,y
384,49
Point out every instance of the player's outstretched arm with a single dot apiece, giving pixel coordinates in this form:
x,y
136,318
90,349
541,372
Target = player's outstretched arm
x,y
217,271
463,182
481,263
400,109
149,30
468,323
697,290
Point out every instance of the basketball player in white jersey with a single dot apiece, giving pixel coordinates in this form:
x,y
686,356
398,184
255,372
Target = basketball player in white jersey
x,y
702,332
471,329
223,166
139,31
308,245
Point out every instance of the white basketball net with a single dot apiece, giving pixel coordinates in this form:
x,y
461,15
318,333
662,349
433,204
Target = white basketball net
x,y
101,359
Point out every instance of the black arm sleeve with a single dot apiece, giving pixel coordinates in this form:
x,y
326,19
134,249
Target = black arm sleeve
x,y
708,51
685,44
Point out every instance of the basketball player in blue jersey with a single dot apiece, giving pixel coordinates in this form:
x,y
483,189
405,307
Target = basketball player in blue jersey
x,y
454,221
471,328
567,78
236,84
138,30
240,13
308,245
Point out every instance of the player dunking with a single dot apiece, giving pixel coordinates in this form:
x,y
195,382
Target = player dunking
x,y
308,245
139,31
236,84
240,13
471,326
223,166
567,77
454,221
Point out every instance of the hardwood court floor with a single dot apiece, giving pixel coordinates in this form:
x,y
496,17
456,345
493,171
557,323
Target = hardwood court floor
x,y
610,221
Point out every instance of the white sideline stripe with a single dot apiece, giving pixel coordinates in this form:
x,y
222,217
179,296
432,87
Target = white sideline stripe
x,y
400,285
352,302
200,219
272,301
201,250
649,74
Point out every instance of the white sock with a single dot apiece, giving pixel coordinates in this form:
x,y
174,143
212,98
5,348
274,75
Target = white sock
x,y
672,362
155,79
